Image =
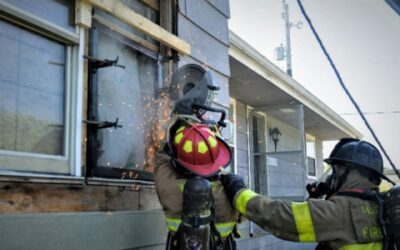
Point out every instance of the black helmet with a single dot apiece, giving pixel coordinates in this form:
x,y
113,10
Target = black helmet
x,y
357,153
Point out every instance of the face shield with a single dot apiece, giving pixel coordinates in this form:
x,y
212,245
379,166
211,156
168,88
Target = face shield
x,y
329,182
325,183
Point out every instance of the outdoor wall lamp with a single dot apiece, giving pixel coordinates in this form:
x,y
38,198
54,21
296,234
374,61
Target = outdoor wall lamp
x,y
275,135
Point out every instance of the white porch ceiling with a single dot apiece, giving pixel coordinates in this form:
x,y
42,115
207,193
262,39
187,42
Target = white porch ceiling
x,y
255,90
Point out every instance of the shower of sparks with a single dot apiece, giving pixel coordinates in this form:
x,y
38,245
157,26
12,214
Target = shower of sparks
x,y
156,114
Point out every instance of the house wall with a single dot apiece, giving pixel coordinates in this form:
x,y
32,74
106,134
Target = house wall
x,y
81,216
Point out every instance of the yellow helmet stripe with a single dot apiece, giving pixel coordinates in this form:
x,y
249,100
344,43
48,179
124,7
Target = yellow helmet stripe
x,y
212,141
180,129
178,138
202,147
188,146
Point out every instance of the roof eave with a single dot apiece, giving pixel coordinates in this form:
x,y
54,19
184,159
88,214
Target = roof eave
x,y
242,51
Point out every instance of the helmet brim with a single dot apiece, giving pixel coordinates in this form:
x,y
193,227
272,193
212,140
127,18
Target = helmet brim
x,y
207,170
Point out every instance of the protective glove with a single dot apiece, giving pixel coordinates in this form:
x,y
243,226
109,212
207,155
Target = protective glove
x,y
232,184
317,189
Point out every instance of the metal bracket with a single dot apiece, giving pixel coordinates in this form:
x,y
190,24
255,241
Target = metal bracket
x,y
97,63
174,58
103,124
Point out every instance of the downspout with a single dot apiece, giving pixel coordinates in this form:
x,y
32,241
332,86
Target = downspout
x,y
249,154
303,147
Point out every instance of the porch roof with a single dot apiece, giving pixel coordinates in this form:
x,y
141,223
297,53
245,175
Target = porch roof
x,y
257,82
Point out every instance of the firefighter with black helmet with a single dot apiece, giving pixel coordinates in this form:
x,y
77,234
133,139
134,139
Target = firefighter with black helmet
x,y
349,217
198,212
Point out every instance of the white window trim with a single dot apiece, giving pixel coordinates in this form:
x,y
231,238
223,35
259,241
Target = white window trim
x,y
70,162
310,138
232,102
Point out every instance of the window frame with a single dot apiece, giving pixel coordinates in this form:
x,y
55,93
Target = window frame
x,y
93,170
310,138
42,163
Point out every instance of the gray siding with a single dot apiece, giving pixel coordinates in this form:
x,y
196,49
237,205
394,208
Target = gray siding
x,y
208,38
195,11
205,48
97,231
222,6
285,175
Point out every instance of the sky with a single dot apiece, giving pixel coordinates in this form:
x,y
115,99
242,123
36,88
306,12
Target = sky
x,y
363,39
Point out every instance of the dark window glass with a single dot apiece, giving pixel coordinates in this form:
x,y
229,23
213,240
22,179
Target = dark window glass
x,y
128,94
311,166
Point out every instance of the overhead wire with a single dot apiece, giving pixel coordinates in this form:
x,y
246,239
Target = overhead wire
x,y
374,113
345,88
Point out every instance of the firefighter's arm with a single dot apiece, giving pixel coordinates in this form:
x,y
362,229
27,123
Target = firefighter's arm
x,y
309,221
164,171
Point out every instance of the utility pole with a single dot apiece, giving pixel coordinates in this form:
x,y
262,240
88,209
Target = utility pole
x,y
288,50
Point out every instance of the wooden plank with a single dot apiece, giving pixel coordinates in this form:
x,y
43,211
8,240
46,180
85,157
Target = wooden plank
x,y
42,198
83,14
127,15
126,33
154,4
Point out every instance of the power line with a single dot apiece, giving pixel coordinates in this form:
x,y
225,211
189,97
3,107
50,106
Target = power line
x,y
374,113
345,88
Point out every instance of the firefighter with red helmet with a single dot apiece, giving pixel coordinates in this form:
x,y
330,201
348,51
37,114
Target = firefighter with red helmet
x,y
351,216
198,212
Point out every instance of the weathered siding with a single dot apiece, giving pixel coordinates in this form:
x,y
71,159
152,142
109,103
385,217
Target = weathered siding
x,y
95,230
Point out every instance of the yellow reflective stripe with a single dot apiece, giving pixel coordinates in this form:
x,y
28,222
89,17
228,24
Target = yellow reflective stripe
x,y
173,224
225,229
242,200
181,185
302,217
369,246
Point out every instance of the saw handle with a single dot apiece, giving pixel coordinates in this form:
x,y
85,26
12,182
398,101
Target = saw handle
x,y
221,121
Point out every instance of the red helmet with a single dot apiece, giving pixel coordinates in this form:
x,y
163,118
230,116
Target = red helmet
x,y
199,150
